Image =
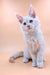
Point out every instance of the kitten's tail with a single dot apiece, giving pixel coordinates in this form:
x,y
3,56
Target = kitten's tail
x,y
19,54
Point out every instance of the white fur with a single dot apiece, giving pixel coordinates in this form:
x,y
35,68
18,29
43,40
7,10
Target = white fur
x,y
34,41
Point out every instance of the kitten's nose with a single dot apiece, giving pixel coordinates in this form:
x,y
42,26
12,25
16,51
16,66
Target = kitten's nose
x,y
28,26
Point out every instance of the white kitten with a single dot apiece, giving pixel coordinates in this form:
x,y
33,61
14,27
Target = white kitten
x,y
34,41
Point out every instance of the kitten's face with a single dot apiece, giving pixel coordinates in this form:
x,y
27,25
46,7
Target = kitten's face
x,y
27,23
30,22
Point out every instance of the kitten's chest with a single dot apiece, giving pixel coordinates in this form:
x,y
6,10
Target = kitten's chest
x,y
32,44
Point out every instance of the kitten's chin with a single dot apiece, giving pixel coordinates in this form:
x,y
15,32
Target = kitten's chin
x,y
29,29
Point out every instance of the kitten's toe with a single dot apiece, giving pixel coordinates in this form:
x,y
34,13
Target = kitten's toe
x,y
34,64
11,59
25,60
40,64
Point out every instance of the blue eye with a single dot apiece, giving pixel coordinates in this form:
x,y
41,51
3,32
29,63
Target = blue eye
x,y
30,21
24,23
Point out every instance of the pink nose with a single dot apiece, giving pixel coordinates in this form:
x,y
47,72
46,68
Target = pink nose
x,y
28,26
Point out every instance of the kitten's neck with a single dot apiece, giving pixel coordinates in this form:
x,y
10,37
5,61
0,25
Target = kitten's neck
x,y
30,34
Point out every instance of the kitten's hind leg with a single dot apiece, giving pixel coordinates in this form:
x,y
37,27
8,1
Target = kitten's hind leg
x,y
25,60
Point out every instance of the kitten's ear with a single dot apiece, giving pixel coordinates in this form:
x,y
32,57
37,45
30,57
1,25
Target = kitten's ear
x,y
32,12
20,18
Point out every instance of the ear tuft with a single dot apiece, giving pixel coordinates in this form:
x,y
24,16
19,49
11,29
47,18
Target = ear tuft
x,y
20,18
32,11
31,5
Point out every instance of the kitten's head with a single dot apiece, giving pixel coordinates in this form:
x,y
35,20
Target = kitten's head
x,y
30,22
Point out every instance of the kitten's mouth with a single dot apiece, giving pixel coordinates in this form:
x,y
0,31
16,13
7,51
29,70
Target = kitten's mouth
x,y
29,28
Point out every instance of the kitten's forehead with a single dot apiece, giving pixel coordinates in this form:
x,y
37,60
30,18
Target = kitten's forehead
x,y
27,17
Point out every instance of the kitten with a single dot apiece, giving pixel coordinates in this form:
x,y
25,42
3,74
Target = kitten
x,y
34,41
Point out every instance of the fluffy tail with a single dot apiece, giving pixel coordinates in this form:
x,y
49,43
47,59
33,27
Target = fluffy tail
x,y
19,54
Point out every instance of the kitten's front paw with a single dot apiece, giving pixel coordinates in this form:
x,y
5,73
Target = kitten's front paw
x,y
34,64
25,60
40,64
